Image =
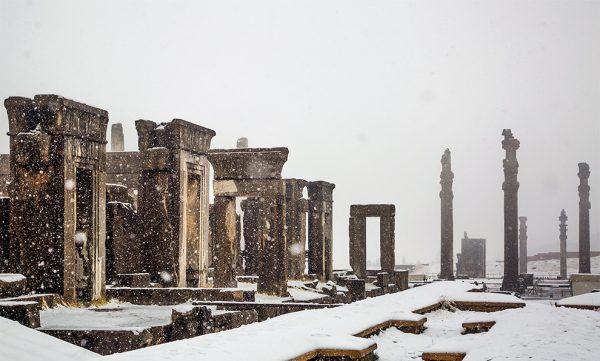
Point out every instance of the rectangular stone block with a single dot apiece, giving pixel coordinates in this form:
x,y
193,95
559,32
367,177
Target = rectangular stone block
x,y
372,210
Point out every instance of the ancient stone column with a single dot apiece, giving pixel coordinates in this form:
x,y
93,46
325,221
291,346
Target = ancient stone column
x,y
511,212
358,245
117,139
563,244
225,242
320,229
173,201
58,194
447,223
523,245
584,218
295,227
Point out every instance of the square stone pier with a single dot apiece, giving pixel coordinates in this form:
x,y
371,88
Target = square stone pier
x,y
57,215
320,229
173,201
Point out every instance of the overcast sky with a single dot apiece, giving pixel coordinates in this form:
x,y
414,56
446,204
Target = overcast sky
x,y
365,94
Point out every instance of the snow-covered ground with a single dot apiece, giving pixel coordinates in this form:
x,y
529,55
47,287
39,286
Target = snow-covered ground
x,y
536,332
20,343
586,299
112,316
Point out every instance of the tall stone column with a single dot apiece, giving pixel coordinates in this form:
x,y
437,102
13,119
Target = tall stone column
x,y
563,244
511,212
117,139
387,243
225,242
523,245
447,226
295,227
584,218
320,229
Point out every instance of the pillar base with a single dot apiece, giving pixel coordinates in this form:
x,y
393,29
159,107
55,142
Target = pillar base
x,y
510,285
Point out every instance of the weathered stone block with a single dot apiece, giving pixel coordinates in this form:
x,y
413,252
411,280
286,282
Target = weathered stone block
x,y
26,313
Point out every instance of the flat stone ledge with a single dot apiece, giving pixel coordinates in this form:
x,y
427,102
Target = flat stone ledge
x,y
372,210
443,356
174,296
477,327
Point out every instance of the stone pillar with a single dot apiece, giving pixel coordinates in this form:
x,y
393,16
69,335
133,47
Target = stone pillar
x,y
584,218
511,213
58,194
320,229
123,246
272,270
358,245
387,244
563,244
447,222
225,242
295,227
522,245
173,201
117,139
252,233
5,243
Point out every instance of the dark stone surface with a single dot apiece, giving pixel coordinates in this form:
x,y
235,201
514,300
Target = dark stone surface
x,y
510,144
174,296
584,218
26,313
320,229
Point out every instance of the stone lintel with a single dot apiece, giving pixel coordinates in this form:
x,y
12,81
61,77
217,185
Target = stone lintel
x,y
248,163
249,188
56,115
320,191
372,210
176,134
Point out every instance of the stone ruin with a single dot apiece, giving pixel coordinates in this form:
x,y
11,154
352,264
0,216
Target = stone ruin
x,y
471,261
58,172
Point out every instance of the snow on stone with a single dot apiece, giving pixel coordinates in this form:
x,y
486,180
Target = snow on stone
x,y
11,277
586,299
112,316
20,343
301,332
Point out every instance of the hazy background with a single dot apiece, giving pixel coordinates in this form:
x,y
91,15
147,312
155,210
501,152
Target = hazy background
x,y
365,94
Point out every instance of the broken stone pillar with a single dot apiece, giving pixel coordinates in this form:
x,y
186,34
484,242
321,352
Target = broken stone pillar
x,y
511,213
117,139
523,245
584,218
320,229
57,215
296,227
358,236
123,246
563,244
254,173
447,223
173,201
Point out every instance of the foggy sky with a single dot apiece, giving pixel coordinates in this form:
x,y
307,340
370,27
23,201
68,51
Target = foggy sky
x,y
365,94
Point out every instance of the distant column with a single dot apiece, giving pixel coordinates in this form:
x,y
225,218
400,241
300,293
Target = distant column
x,y
447,226
584,218
320,221
523,245
117,139
511,212
563,244
242,143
